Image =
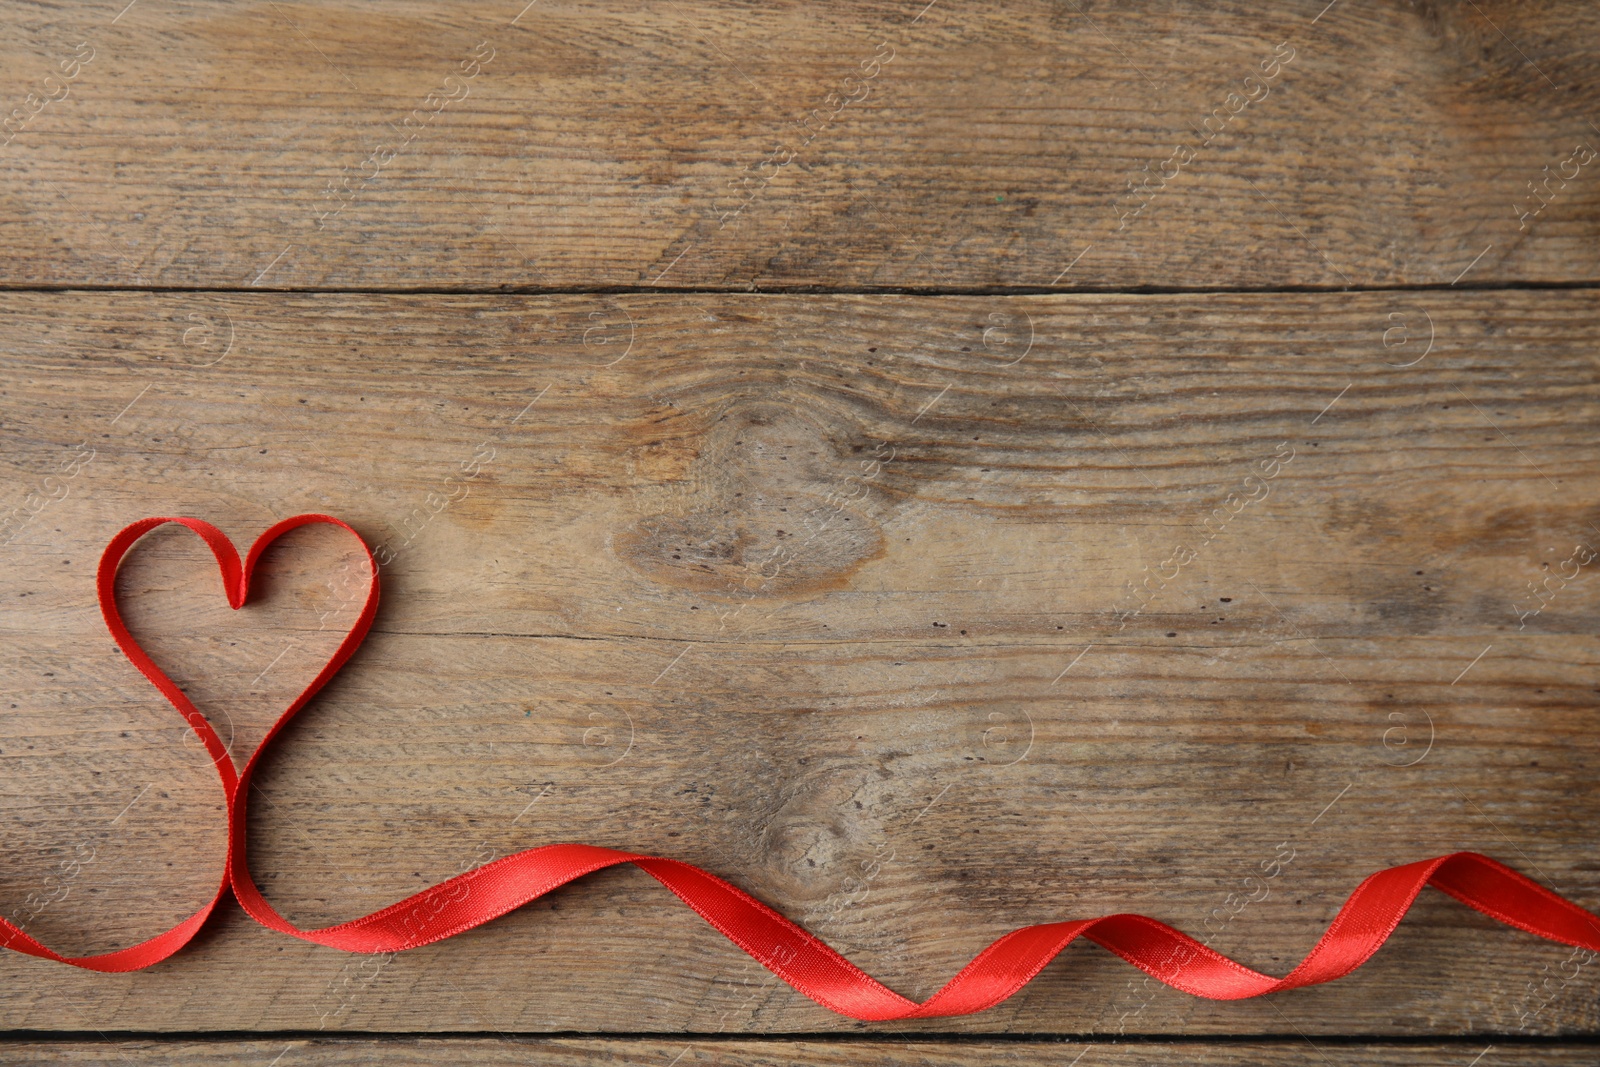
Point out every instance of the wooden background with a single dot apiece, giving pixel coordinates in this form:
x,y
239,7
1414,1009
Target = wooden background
x,y
828,374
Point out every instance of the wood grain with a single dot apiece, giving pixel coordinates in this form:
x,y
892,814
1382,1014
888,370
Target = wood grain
x,y
693,1051
835,144
833,595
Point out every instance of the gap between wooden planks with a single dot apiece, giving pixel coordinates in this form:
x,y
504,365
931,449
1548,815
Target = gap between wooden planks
x,y
299,1051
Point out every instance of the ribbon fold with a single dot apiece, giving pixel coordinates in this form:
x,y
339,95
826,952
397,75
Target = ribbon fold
x,y
797,957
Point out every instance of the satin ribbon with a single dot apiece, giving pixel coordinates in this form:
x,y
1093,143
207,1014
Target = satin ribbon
x,y
803,961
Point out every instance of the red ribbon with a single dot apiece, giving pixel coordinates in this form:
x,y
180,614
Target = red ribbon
x,y
800,959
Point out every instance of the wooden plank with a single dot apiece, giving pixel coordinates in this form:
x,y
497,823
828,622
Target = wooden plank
x,y
944,709
873,144
693,1051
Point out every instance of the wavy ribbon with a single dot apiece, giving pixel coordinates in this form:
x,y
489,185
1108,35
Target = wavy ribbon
x,y
1362,925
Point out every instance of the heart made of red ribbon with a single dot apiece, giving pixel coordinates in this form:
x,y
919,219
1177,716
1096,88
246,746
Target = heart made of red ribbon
x,y
1362,925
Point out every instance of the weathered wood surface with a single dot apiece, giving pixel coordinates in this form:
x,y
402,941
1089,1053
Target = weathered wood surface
x,y
832,596
690,1052
838,144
